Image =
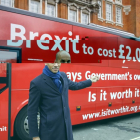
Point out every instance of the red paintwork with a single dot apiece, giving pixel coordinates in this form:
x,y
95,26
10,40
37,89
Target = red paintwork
x,y
33,24
3,105
23,73
4,114
57,31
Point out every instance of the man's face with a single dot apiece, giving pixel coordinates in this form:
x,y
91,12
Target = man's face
x,y
63,58
53,67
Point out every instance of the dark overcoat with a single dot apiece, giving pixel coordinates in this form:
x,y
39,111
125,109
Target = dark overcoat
x,y
55,121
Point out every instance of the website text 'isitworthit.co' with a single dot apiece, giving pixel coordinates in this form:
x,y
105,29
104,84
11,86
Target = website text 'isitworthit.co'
x,y
109,112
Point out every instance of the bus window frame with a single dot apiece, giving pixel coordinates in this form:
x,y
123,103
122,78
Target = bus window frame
x,y
4,80
12,49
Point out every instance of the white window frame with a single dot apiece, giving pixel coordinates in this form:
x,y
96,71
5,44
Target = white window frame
x,y
40,6
100,10
120,15
75,12
56,8
11,5
110,10
118,4
87,18
77,15
87,14
111,3
121,23
46,10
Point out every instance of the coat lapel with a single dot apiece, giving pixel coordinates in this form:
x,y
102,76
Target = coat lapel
x,y
50,82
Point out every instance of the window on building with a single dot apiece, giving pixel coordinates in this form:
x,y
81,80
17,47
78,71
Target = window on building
x,y
35,6
100,9
6,2
85,18
73,12
72,15
118,15
108,11
50,10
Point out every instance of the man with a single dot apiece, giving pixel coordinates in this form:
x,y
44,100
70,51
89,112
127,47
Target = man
x,y
49,93
63,57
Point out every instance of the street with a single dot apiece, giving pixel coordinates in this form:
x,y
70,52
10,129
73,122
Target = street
x,y
120,128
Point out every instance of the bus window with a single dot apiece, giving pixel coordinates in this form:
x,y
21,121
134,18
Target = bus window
x,y
3,77
10,55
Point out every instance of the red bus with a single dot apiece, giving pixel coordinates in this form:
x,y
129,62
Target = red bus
x,y
116,94
19,27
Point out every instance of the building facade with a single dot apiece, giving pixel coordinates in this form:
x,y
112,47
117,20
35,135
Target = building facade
x,y
119,14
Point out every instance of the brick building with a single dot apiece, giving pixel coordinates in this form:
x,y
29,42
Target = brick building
x,y
119,14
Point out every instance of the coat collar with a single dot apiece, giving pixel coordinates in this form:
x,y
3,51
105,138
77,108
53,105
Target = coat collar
x,y
50,82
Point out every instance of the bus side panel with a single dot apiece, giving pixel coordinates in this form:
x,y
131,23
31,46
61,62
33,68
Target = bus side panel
x,y
125,64
83,32
131,104
89,100
81,102
106,105
106,98
32,28
24,73
4,114
109,76
30,24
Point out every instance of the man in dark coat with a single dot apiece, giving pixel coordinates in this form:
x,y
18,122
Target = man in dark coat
x,y
49,93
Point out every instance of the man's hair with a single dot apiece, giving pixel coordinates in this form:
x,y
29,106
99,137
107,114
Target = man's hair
x,y
58,53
